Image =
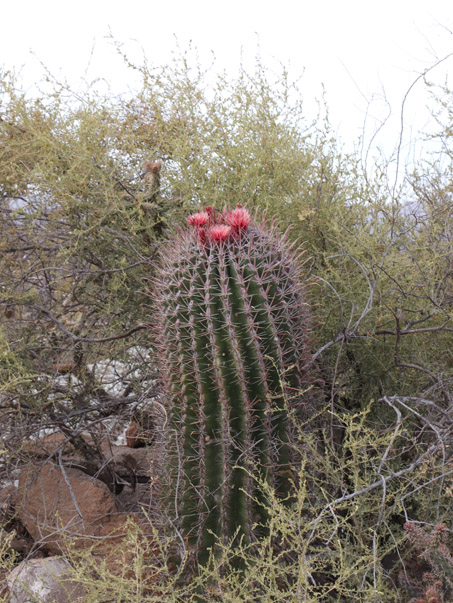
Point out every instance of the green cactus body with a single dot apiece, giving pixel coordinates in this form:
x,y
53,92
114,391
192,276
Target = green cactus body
x,y
234,335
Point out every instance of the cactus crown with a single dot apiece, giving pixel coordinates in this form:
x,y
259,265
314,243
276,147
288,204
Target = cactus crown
x,y
213,227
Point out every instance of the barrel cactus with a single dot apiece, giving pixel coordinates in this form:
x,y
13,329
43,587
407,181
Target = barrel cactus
x,y
234,338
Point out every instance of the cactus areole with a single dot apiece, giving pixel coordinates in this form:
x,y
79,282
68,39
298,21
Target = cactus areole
x,y
233,331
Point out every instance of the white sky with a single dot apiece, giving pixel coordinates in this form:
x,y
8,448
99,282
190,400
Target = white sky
x,y
360,50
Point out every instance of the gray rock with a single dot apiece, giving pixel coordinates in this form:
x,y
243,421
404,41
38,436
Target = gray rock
x,y
44,581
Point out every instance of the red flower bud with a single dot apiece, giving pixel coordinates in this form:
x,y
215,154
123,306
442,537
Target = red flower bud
x,y
219,232
238,218
198,219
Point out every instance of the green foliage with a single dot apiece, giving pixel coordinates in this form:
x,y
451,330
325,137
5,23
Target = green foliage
x,y
7,561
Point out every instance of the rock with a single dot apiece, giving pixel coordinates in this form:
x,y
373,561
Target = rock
x,y
133,440
52,443
118,551
141,432
126,461
44,580
66,510
130,465
55,503
56,507
93,464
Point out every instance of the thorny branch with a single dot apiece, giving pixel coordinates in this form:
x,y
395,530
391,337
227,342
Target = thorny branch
x,y
444,437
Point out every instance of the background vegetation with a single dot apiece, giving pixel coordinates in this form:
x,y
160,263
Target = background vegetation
x,y
83,218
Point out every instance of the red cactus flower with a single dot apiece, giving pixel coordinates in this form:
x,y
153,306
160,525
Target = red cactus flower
x,y
198,219
238,218
153,166
219,232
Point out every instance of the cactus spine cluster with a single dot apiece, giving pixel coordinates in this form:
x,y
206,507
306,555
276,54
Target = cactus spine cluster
x,y
234,343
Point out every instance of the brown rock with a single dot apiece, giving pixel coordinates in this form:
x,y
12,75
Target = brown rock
x,y
118,547
131,436
48,445
66,509
88,458
55,503
139,435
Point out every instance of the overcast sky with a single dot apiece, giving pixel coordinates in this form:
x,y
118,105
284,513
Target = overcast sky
x,y
366,53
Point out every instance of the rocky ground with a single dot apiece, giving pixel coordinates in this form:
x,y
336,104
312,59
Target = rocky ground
x,y
60,500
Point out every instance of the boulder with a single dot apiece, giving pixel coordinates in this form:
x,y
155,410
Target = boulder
x,y
64,509
55,503
44,580
131,465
